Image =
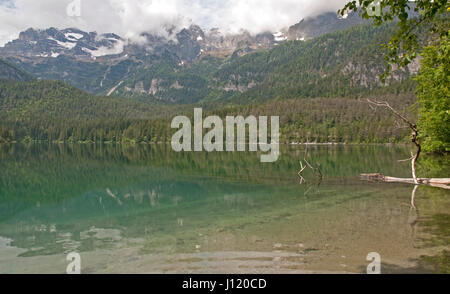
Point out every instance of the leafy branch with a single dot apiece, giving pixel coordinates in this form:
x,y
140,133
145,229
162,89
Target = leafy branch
x,y
404,46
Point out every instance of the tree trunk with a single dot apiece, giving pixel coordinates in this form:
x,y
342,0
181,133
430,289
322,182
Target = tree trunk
x,y
434,182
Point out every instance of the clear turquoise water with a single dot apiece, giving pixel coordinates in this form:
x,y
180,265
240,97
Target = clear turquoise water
x,y
146,209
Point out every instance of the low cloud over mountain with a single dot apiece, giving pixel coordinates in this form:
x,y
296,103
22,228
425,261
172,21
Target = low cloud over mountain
x,y
129,18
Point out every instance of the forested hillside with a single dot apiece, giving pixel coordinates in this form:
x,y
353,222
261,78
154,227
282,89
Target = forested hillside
x,y
56,112
339,64
339,120
316,87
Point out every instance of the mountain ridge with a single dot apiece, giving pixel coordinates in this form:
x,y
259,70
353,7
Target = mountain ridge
x,y
98,62
9,72
197,66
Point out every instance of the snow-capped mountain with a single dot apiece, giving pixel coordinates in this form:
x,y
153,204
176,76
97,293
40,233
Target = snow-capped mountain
x,y
52,42
187,44
102,63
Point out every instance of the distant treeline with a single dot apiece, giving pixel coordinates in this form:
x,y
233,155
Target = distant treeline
x,y
55,112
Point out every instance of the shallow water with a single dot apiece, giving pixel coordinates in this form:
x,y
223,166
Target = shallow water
x,y
146,209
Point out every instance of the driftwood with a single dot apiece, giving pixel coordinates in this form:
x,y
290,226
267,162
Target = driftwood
x,y
438,182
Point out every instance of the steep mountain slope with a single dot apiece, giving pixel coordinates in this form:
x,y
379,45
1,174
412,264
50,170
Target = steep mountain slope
x,y
52,42
99,63
320,25
79,58
338,64
9,72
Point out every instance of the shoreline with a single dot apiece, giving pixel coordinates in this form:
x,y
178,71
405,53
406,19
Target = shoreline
x,y
168,143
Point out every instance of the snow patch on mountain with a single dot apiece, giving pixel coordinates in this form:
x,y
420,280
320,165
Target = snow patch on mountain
x,y
117,49
280,37
73,36
68,45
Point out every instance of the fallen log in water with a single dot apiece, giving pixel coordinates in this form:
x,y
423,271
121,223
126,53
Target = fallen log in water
x,y
438,182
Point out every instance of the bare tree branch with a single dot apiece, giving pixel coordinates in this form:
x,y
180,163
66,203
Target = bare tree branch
x,y
307,164
414,135
387,105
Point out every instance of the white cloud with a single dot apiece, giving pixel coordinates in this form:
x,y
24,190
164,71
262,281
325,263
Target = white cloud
x,y
131,17
103,51
268,15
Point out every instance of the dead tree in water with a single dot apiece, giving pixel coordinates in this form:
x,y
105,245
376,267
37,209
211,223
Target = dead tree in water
x,y
415,134
316,170
440,183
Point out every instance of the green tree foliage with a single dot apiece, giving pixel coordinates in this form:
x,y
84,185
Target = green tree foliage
x,y
434,97
334,66
5,135
404,46
338,64
55,112
341,64
323,120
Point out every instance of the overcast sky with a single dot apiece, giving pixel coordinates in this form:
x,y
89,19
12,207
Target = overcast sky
x,y
129,18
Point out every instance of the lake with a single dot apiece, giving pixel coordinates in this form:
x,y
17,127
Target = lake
x,y
147,209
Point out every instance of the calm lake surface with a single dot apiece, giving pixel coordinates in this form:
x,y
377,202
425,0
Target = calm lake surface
x,y
146,209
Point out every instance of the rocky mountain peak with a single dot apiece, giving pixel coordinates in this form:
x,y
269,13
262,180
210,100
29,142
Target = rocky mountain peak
x,y
52,42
